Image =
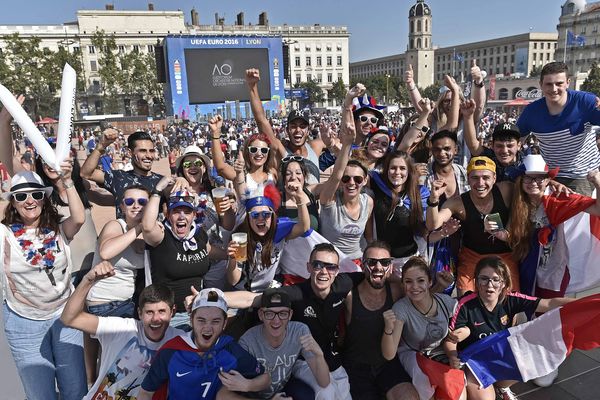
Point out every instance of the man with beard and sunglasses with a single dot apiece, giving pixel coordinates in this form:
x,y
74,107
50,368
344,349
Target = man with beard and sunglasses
x,y
371,376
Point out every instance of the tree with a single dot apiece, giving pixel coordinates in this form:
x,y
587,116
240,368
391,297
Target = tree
x,y
592,82
431,92
338,91
106,47
315,93
535,71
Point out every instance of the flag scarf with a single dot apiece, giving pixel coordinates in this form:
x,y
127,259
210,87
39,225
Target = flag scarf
x,y
536,348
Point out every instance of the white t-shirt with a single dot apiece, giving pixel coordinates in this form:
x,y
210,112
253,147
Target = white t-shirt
x,y
126,357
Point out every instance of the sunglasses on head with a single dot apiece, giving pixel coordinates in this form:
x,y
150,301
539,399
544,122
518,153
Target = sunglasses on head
x,y
288,159
21,197
260,214
364,118
195,163
187,199
356,178
255,149
128,201
318,264
372,262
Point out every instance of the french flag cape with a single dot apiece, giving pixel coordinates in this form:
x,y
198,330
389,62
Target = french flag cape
x,y
582,236
538,347
296,252
434,378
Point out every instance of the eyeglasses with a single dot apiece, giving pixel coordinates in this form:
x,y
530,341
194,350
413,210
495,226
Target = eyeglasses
x,y
383,143
372,262
21,197
364,118
282,315
357,179
260,214
537,179
129,201
254,150
288,159
196,163
495,281
319,265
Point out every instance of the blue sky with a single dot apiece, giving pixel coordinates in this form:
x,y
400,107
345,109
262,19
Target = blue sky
x,y
377,28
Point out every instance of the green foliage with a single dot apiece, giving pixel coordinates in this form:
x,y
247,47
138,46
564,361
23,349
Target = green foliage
x,y
385,90
431,92
315,93
535,71
338,91
592,82
108,69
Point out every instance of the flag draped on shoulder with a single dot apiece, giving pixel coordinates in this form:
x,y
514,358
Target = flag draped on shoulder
x,y
536,348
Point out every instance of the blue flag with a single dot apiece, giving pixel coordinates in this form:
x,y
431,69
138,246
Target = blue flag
x,y
575,40
459,57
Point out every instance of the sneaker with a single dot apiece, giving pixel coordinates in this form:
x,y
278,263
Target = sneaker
x,y
546,380
505,394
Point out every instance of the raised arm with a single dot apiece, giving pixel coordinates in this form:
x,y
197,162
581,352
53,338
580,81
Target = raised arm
x,y
252,78
302,202
452,115
468,109
413,91
478,89
73,223
347,115
89,169
113,241
7,148
317,364
74,314
392,332
435,218
416,132
224,169
152,230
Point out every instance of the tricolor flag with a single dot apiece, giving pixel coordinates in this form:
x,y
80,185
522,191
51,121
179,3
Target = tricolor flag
x,y
582,233
536,348
431,378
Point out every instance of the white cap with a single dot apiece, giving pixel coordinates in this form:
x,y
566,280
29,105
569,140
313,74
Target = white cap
x,y
211,297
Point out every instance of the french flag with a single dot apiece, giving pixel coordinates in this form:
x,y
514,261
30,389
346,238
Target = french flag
x,y
538,347
431,378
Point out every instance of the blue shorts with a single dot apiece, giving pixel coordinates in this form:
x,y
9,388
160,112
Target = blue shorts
x,y
124,309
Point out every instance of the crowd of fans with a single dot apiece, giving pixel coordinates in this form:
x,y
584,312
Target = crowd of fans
x,y
296,258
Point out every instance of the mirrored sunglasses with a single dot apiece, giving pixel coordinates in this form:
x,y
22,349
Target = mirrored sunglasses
x,y
195,163
356,178
129,201
260,214
318,265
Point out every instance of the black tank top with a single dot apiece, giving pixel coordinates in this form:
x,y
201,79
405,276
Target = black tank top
x,y
365,329
474,237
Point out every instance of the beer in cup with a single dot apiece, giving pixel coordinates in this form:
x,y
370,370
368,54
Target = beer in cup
x,y
242,240
219,196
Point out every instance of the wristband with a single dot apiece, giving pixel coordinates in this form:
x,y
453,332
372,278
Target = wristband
x,y
432,203
479,85
69,185
389,334
156,193
410,89
215,138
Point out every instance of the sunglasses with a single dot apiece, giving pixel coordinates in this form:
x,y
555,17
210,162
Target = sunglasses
x,y
364,118
357,179
383,143
319,265
254,150
21,197
288,159
282,315
260,214
187,199
129,201
537,179
372,262
195,163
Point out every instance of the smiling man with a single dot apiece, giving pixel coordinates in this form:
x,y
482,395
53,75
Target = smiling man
x,y
190,366
562,121
128,346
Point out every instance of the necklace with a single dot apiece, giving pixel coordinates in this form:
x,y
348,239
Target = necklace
x,y
426,313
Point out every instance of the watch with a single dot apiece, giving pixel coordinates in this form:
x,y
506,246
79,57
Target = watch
x,y
479,85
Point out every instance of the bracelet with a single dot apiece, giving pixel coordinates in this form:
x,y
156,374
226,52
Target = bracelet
x,y
410,89
215,138
389,334
432,203
156,193
101,151
301,204
479,85
69,185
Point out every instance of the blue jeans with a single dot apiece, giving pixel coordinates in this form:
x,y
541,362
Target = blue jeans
x,y
181,320
123,309
46,354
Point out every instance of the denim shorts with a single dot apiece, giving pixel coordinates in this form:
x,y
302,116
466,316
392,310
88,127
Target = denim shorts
x,y
124,309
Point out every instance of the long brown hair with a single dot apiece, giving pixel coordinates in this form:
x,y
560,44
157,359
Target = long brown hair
x,y
411,188
520,228
269,166
500,267
265,241
49,217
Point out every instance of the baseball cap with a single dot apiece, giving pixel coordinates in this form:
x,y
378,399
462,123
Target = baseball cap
x,y
182,198
505,129
297,114
211,297
275,297
481,163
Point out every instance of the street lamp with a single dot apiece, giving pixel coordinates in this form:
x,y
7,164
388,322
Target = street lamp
x,y
387,88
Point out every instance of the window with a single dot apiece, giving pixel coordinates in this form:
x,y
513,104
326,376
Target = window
x,y
308,61
328,47
505,59
329,77
329,61
319,78
339,61
298,78
96,86
319,61
76,49
91,50
297,61
339,47
506,49
308,77
307,47
0,51
485,52
150,48
93,65
478,53
339,76
535,45
121,49
136,48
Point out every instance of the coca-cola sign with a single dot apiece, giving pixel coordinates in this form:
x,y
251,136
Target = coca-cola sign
x,y
529,94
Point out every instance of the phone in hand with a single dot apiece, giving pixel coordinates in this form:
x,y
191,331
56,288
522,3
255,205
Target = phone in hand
x,y
495,217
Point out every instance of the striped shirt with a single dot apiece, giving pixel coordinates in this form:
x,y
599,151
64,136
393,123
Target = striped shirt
x,y
566,140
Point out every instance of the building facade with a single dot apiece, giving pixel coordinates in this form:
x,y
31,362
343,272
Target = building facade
x,y
316,51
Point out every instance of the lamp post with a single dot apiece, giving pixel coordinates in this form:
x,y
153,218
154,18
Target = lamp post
x,y
387,88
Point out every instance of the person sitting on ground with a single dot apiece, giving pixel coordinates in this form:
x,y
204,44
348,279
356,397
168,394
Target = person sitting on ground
x,y
128,345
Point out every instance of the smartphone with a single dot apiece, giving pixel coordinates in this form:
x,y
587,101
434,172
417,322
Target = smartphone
x,y
495,217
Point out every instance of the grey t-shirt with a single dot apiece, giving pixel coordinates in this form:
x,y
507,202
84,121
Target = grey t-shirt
x,y
421,333
278,362
343,231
